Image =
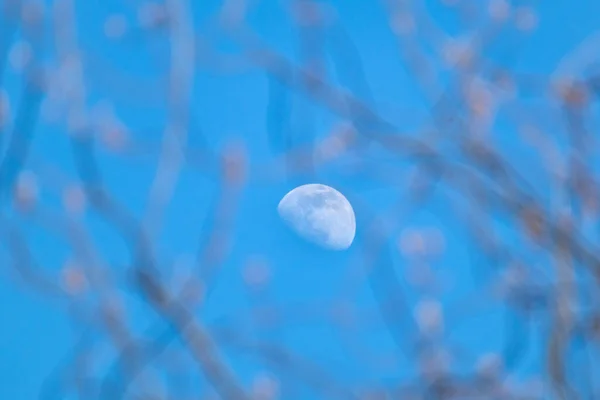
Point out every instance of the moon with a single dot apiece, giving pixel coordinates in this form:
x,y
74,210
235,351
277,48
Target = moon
x,y
320,214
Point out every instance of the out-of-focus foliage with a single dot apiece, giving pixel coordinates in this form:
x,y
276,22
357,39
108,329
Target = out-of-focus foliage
x,y
509,155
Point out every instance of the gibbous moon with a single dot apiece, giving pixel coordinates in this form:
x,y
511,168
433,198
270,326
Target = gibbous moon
x,y
319,214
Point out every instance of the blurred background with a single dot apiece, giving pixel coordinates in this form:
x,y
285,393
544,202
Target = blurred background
x,y
145,146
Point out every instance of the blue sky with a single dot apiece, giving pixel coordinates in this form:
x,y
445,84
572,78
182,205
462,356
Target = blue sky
x,y
38,333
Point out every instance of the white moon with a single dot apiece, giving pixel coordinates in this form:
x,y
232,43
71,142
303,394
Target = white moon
x,y
319,214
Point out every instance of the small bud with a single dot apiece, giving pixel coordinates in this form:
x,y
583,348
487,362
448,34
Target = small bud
x,y
73,279
480,98
458,52
412,242
74,200
152,15
489,365
234,163
114,137
4,109
575,95
265,387
435,364
499,9
26,190
307,13
335,145
533,222
32,12
257,273
429,316
526,19
20,55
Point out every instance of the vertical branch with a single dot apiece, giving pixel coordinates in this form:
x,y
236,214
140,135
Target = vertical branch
x,y
17,151
180,86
